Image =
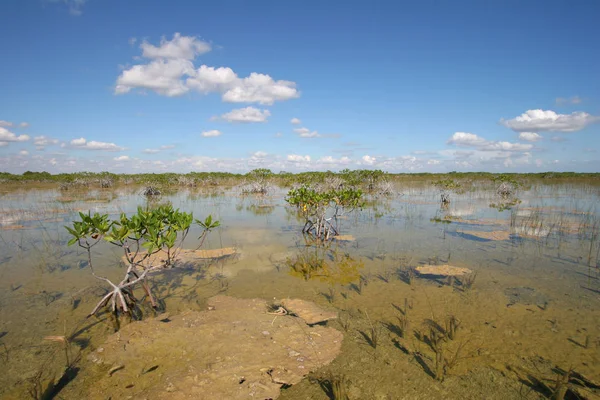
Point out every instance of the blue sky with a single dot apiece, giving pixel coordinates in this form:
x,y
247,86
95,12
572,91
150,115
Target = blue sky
x,y
146,85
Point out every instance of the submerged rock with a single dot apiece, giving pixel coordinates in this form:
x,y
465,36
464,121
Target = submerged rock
x,y
308,311
526,296
442,270
494,235
235,351
344,238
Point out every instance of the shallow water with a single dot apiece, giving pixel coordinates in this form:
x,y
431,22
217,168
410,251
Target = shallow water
x,y
533,305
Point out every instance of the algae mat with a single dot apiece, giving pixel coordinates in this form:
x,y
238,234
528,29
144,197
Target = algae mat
x,y
236,350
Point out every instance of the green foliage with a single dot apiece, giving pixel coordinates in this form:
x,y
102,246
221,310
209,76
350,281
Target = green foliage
x,y
315,206
508,179
155,229
162,228
312,201
260,173
448,185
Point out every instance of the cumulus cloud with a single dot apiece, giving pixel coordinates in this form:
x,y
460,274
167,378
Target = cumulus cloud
x,y
6,124
245,115
306,133
295,121
259,154
180,47
41,142
298,158
83,144
23,152
333,160
161,148
24,125
549,121
367,159
212,133
171,72
529,136
466,139
121,158
161,76
7,136
260,88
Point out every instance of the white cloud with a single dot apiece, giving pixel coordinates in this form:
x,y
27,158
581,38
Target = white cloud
x,y
161,148
298,158
549,121
212,133
6,124
82,143
121,158
132,41
8,136
334,161
180,47
306,133
259,154
367,159
248,114
433,162
40,142
568,100
172,73
506,146
529,136
260,88
162,76
24,125
295,121
23,153
465,139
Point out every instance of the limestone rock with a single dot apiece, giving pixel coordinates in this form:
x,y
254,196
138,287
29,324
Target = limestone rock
x,y
442,270
308,311
494,235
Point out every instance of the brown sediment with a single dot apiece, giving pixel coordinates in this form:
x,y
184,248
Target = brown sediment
x,y
186,256
234,351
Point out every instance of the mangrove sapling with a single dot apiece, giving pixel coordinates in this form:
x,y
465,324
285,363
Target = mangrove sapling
x,y
141,236
321,209
446,187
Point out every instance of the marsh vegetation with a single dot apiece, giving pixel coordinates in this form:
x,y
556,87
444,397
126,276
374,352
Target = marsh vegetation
x,y
523,323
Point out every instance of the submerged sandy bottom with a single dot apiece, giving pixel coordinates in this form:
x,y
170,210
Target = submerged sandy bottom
x,y
531,311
